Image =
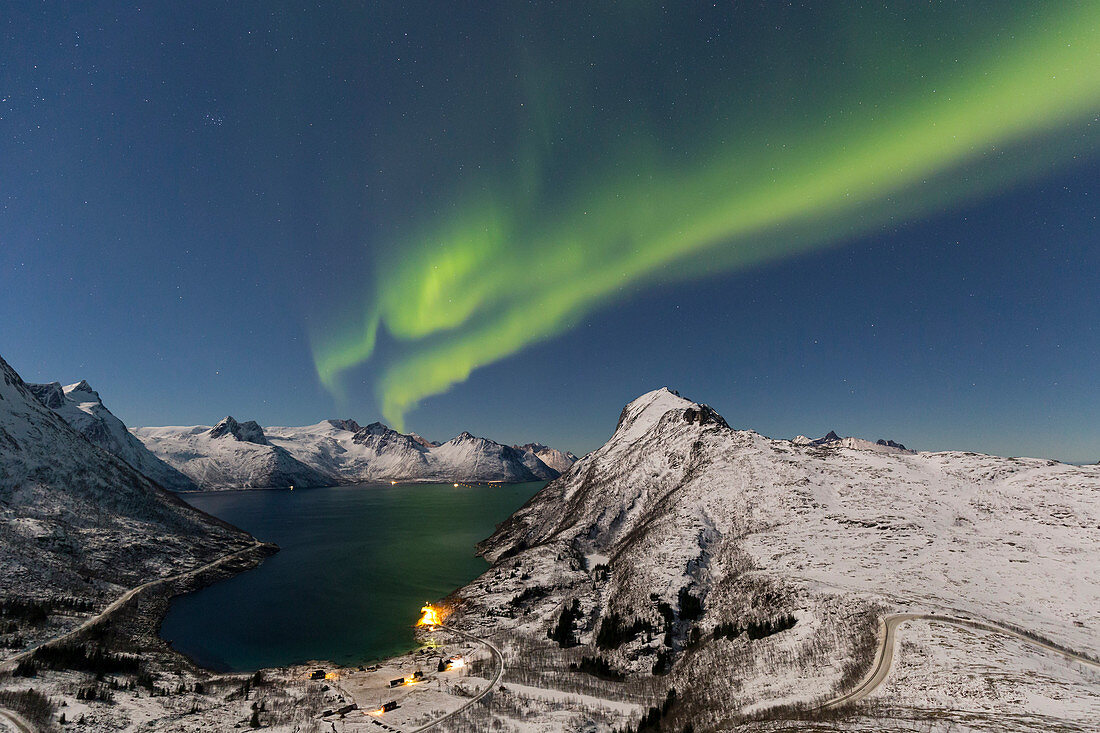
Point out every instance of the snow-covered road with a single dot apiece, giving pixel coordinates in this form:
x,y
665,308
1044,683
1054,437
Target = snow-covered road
x,y
885,656
488,688
10,720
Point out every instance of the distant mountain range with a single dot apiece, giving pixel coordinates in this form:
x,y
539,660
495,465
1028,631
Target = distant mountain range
x,y
377,453
233,455
832,440
243,455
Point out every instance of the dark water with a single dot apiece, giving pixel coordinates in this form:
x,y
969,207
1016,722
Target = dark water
x,y
355,567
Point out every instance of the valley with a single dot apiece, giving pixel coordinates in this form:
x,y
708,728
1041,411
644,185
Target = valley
x,y
684,576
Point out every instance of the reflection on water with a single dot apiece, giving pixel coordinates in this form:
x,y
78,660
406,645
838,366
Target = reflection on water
x,y
356,565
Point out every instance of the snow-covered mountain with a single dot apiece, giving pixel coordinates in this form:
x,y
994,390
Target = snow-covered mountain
x,y
80,406
230,455
552,457
747,572
831,439
379,454
245,455
76,519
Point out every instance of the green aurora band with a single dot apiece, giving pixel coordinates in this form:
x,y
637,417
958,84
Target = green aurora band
x,y
503,274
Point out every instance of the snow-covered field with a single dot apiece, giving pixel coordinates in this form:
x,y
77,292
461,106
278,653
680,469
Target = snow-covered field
x,y
1007,684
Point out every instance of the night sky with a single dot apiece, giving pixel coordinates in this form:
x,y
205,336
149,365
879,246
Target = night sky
x,y
512,218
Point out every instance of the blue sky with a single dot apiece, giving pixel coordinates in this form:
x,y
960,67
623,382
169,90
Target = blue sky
x,y
189,193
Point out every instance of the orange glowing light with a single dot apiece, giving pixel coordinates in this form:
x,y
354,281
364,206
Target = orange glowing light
x,y
331,676
429,616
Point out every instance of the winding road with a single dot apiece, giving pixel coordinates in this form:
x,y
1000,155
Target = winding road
x,y
885,656
488,688
119,602
11,720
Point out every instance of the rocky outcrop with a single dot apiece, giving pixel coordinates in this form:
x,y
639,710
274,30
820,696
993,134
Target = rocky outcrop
x,y
249,432
81,407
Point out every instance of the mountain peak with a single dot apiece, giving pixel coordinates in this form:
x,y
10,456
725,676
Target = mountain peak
x,y
247,432
644,412
85,391
467,437
345,424
423,441
890,444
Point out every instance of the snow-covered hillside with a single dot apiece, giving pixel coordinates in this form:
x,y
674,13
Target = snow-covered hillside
x,y
76,519
379,454
80,406
681,536
230,455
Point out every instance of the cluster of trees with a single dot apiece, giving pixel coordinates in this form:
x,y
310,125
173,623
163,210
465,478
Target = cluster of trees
x,y
37,612
663,663
257,708
615,631
96,693
531,593
597,667
31,704
79,657
25,669
755,629
242,692
691,607
652,719
563,632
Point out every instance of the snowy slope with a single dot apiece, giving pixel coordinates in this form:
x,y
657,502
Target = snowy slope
x,y
379,454
230,455
74,518
685,512
80,406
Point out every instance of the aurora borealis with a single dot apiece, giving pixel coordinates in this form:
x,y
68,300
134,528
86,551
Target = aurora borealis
x,y
513,217
966,112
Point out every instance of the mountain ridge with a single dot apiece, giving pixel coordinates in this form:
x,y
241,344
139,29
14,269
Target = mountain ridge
x,y
234,455
118,526
82,408
657,551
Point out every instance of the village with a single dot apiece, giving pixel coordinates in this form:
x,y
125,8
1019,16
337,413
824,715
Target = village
x,y
448,672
